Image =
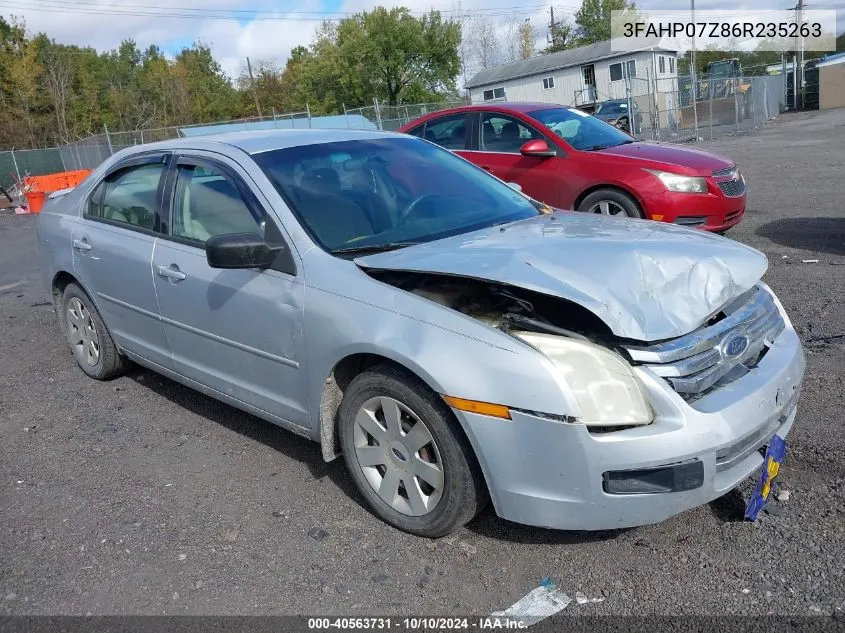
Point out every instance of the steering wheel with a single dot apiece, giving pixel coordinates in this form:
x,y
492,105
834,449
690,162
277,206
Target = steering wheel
x,y
412,207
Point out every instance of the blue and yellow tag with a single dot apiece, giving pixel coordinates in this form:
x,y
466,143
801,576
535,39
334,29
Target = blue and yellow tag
x,y
762,494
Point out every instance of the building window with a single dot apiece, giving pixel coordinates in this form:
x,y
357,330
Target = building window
x,y
495,93
672,65
661,62
548,83
621,70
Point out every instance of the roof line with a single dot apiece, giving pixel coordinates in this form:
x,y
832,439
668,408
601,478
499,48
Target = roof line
x,y
589,60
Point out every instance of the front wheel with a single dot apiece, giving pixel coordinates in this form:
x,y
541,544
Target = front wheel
x,y
610,202
407,455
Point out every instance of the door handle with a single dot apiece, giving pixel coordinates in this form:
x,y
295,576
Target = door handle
x,y
81,245
171,272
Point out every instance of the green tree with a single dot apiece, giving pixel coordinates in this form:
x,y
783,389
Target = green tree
x,y
594,18
563,36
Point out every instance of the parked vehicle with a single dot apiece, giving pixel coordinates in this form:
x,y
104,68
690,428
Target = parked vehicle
x,y
571,160
615,112
453,340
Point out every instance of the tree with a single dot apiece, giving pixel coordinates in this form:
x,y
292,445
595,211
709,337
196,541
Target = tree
x,y
594,18
527,40
562,34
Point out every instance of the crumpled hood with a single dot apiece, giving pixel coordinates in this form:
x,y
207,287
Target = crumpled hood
x,y
646,280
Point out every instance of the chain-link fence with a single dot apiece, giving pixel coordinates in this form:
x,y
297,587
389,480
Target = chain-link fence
x,y
16,164
392,117
708,108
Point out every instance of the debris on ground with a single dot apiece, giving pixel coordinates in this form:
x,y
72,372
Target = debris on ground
x,y
536,605
318,534
809,261
580,598
783,495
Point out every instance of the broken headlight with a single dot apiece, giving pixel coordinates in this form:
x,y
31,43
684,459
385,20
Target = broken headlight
x,y
602,382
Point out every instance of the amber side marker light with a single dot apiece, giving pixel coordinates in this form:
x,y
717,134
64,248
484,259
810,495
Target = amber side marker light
x,y
484,408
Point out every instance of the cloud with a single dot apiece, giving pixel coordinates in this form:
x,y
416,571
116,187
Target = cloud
x,y
240,35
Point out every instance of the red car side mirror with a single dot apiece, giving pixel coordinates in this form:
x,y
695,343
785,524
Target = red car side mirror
x,y
537,147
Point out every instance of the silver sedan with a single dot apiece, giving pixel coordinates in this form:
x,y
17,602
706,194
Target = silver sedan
x,y
454,340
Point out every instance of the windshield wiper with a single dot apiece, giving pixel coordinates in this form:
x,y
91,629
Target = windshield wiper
x,y
593,148
372,248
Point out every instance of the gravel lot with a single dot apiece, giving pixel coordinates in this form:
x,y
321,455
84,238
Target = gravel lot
x,y
139,496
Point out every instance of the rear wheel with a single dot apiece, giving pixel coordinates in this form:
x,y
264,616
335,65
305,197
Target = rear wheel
x,y
89,340
406,454
610,202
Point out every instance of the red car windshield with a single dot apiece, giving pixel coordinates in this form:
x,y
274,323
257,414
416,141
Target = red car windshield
x,y
579,129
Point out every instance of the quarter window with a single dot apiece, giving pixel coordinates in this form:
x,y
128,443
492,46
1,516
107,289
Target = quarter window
x,y
207,204
504,134
128,196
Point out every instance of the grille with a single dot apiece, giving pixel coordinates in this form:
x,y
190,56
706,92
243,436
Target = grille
x,y
705,359
732,187
728,171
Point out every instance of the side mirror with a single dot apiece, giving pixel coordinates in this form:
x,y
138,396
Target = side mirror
x,y
537,147
514,186
240,250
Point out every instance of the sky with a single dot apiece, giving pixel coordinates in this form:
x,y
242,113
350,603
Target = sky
x,y
269,29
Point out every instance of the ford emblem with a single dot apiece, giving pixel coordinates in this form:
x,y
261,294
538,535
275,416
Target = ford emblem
x,y
735,346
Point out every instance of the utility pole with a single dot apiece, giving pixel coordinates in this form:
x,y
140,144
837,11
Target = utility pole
x,y
694,76
551,37
252,87
799,87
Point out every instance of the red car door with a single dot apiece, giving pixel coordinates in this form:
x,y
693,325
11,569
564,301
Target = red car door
x,y
499,140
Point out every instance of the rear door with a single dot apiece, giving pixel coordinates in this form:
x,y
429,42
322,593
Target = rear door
x,y
113,245
452,131
238,332
498,151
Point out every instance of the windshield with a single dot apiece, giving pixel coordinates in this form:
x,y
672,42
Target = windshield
x,y
612,108
382,193
579,129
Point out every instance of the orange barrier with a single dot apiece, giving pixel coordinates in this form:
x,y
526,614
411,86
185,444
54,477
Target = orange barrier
x,y
37,188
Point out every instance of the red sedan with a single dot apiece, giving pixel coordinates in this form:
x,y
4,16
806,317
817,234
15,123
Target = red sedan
x,y
571,160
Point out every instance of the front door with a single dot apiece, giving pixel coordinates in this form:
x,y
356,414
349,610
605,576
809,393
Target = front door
x,y
589,73
113,245
238,332
501,138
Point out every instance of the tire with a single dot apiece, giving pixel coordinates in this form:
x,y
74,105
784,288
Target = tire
x,y
90,342
439,446
611,202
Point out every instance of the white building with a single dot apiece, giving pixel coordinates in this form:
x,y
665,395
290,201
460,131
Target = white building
x,y
584,77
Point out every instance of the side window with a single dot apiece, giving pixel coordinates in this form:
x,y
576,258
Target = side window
x,y
449,132
207,204
128,196
418,131
504,134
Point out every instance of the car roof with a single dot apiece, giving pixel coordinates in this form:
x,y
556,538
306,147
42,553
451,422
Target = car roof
x,y
257,141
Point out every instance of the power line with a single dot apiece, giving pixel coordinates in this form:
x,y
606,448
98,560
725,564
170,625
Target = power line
x,y
156,10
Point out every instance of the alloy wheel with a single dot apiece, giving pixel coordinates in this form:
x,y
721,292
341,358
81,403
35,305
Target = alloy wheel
x,y
607,207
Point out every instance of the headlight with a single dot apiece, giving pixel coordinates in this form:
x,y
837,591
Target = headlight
x,y
605,388
682,184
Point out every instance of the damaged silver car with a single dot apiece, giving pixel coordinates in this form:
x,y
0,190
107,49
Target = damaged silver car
x,y
453,340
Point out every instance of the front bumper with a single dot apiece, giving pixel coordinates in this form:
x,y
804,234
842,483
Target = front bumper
x,y
711,211
548,473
